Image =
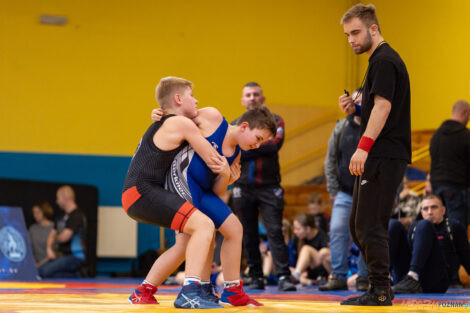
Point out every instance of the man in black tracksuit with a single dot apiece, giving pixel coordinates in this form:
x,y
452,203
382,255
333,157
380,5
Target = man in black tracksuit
x,y
258,190
383,152
450,162
432,251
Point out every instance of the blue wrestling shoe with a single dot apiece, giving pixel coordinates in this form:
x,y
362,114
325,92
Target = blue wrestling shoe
x,y
208,292
190,297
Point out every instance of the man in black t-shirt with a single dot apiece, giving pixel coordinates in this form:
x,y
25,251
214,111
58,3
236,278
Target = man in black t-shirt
x,y
383,152
68,236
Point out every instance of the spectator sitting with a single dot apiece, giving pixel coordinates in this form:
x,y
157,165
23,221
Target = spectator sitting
x,y
315,208
407,208
436,246
39,231
288,239
312,248
68,233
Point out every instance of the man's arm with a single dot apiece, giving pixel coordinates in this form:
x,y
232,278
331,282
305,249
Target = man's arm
x,y
64,236
376,123
50,242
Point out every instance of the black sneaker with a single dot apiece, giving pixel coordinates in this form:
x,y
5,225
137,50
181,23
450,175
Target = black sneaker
x,y
362,283
285,284
209,292
407,285
334,283
254,283
372,297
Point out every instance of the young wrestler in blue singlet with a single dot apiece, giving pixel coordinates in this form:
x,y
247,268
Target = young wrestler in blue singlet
x,y
193,180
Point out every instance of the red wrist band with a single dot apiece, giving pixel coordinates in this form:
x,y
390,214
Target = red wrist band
x,y
365,143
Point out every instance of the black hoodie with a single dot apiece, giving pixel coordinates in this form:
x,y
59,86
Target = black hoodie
x,y
450,155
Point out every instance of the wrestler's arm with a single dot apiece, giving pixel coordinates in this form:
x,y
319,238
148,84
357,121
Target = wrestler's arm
x,y
221,183
178,129
235,169
376,123
209,119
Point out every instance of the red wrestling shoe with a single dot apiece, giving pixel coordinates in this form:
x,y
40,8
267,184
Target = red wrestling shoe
x,y
144,294
236,296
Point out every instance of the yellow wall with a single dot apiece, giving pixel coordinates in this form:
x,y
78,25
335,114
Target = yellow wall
x,y
88,87
433,38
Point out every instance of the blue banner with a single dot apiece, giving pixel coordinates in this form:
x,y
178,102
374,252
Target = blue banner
x,y
16,256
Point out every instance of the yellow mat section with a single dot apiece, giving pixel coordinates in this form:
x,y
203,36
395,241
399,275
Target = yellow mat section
x,y
115,303
11,285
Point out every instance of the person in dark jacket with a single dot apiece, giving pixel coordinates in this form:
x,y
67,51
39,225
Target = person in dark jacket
x,y
450,162
340,184
436,247
259,190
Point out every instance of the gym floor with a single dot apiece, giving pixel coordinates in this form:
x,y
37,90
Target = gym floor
x,y
110,295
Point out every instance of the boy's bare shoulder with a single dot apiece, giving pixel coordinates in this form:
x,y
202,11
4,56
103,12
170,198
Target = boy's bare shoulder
x,y
210,113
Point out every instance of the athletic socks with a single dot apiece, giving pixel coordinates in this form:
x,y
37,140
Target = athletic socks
x,y
228,284
296,274
413,275
191,280
145,282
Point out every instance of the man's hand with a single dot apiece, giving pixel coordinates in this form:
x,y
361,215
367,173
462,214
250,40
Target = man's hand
x,y
157,115
346,104
356,166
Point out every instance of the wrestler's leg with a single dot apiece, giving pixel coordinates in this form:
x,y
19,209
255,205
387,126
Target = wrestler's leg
x,y
168,261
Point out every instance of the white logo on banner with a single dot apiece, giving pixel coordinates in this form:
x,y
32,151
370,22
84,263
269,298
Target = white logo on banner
x,y
12,244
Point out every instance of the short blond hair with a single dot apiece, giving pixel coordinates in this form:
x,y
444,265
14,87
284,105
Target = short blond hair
x,y
366,13
167,87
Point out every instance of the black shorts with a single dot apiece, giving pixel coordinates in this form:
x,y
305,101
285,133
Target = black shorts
x,y
157,207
